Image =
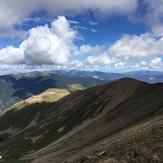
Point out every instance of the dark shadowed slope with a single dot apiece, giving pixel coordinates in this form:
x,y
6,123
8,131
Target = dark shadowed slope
x,y
15,88
54,132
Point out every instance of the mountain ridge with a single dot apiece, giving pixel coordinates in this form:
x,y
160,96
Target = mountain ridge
x,y
15,88
146,76
82,118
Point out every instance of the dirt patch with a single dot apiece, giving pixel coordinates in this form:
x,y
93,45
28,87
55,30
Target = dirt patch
x,y
41,126
61,129
10,130
36,138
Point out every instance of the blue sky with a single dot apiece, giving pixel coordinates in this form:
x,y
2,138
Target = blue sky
x,y
105,35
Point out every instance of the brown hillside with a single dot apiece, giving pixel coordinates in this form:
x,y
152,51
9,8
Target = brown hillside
x,y
84,118
103,111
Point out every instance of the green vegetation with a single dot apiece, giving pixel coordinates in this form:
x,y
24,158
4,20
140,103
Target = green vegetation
x,y
15,88
6,98
32,112
74,87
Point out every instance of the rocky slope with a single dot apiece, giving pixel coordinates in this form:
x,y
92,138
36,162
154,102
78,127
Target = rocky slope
x,y
114,121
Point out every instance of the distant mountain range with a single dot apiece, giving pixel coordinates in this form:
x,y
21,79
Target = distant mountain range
x,y
117,122
146,76
15,88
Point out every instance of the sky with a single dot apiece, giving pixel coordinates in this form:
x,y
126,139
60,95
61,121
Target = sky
x,y
101,35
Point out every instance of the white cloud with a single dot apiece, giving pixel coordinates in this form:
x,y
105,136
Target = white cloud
x,y
12,33
84,49
150,13
156,63
155,16
103,59
61,28
15,12
72,6
135,47
55,45
143,63
81,27
91,50
44,45
11,55
120,65
153,64
92,23
94,30
127,52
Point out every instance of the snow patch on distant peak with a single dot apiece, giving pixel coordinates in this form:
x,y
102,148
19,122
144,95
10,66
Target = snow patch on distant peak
x,y
95,77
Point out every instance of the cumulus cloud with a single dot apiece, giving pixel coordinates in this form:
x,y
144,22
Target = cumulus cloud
x,y
103,59
44,45
156,63
11,55
84,49
135,47
91,50
120,65
127,51
55,44
153,64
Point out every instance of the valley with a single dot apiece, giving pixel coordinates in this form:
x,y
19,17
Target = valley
x,y
15,88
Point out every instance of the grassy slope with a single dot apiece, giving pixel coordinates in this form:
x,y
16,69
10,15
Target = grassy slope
x,y
51,121
22,118
15,88
50,95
